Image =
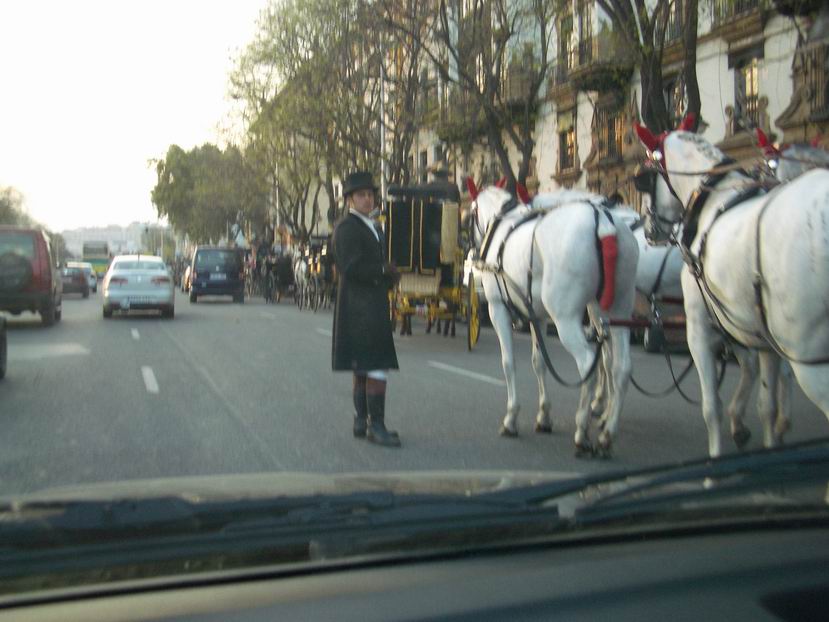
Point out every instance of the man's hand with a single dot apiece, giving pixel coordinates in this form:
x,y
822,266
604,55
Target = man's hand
x,y
390,270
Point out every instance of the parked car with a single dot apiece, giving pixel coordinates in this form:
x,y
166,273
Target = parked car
x,y
89,271
29,277
138,282
75,281
4,348
217,271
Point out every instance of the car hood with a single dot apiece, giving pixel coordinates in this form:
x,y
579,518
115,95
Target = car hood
x,y
295,484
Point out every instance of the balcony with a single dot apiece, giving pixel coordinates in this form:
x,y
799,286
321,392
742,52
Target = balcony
x,y
517,85
817,66
728,10
605,64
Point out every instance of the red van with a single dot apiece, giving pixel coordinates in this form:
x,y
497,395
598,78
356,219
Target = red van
x,y
29,278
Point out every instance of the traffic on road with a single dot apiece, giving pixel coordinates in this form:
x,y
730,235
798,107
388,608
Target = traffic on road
x,y
393,310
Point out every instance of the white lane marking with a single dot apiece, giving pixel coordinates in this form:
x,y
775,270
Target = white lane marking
x,y
149,379
325,331
265,314
465,372
38,352
135,334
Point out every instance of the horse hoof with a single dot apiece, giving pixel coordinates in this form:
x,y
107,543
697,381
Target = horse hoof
x,y
543,428
781,426
604,452
741,436
507,432
584,450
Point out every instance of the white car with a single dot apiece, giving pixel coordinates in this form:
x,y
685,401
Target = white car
x,y
89,271
138,282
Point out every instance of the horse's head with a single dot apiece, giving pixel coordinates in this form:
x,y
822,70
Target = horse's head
x,y
486,206
675,167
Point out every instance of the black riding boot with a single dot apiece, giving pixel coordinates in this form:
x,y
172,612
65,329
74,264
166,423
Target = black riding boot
x,y
360,407
377,432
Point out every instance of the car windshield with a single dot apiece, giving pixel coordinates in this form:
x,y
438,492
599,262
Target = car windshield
x,y
400,249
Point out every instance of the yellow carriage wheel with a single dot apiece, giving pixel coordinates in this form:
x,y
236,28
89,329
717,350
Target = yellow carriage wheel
x,y
473,309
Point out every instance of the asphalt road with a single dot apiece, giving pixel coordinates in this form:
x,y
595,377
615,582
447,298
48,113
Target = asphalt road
x,y
227,388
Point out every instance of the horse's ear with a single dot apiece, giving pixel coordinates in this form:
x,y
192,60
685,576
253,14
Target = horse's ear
x,y
501,183
523,194
687,124
473,189
765,143
646,136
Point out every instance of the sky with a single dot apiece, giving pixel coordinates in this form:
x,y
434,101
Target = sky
x,y
91,90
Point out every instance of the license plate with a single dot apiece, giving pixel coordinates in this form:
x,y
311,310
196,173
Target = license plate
x,y
218,276
137,300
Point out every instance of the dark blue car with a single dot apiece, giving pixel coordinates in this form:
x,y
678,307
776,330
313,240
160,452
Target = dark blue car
x,y
217,271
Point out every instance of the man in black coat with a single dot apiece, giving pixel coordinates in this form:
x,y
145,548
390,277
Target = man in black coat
x,y
362,337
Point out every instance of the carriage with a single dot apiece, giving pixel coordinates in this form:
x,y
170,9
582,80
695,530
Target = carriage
x,y
316,281
425,240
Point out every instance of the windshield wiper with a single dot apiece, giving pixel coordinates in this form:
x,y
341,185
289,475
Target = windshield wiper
x,y
621,494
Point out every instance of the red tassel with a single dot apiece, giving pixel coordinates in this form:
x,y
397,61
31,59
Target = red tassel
x,y
523,194
646,136
501,183
610,252
473,189
688,122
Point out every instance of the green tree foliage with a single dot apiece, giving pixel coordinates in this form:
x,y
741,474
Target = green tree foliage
x,y
203,191
12,211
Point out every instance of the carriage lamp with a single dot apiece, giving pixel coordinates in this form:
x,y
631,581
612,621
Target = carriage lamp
x,y
657,155
773,163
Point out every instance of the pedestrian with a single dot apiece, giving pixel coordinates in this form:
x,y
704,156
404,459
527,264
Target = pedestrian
x,y
362,337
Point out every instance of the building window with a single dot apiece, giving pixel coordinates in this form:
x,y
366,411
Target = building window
x,y
585,32
676,100
610,134
673,30
565,42
746,92
567,140
424,165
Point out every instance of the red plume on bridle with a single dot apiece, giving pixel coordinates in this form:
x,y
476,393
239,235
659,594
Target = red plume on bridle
x,y
501,183
650,141
765,144
815,142
687,124
520,190
473,189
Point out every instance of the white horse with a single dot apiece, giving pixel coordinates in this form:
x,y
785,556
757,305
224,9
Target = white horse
x,y
774,244
558,250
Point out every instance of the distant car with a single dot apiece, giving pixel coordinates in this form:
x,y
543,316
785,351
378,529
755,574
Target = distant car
x,y
4,348
88,270
75,281
217,271
138,282
185,280
29,278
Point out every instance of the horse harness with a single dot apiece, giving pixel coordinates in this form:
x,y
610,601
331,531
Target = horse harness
x,y
505,282
696,262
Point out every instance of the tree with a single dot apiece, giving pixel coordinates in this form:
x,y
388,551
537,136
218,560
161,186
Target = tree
x,y
202,192
496,55
12,211
643,26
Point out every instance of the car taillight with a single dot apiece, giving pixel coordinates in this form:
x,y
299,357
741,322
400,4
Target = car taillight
x,y
117,280
160,280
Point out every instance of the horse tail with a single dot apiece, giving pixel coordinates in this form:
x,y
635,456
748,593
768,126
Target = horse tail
x,y
609,247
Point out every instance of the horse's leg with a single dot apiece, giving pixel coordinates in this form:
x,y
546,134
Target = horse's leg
x,y
785,382
571,335
617,385
597,406
502,323
814,380
737,406
767,396
543,425
701,341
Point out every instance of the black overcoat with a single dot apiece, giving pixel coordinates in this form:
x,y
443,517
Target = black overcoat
x,y
362,335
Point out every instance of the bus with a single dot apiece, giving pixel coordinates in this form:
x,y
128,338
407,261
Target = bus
x,y
97,253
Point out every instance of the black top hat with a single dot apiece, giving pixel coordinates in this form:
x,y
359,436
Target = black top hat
x,y
361,180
